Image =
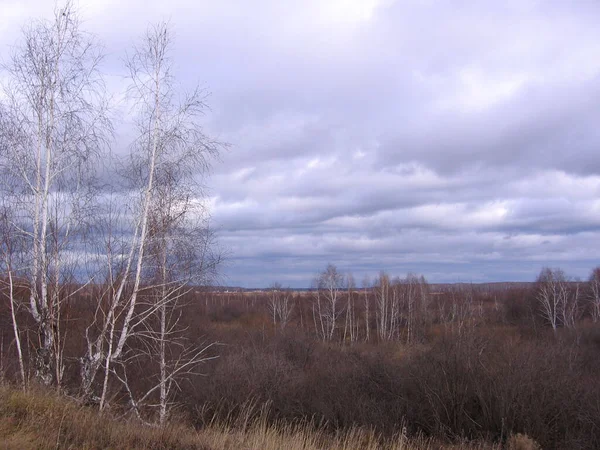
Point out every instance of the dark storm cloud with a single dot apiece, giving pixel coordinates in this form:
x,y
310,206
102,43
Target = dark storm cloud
x,y
454,139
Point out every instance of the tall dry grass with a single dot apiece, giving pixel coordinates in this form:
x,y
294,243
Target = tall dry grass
x,y
42,420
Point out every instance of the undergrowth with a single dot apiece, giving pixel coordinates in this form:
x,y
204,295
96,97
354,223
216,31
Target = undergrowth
x,y
39,419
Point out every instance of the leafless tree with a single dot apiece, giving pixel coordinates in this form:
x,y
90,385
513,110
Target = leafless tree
x,y
424,303
177,257
326,307
11,254
571,310
400,306
164,171
54,103
180,255
461,308
366,284
280,306
387,308
594,294
558,306
456,308
414,297
351,324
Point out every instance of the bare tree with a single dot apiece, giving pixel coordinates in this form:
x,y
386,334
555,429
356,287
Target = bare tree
x,y
326,308
180,255
461,309
280,306
11,254
387,307
177,255
350,324
594,294
555,301
54,103
571,310
413,296
164,170
366,283
424,303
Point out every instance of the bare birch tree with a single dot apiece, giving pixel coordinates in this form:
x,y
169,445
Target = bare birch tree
x,y
366,284
571,310
54,102
326,307
552,295
166,165
387,310
459,317
594,294
350,324
410,298
280,306
11,259
180,253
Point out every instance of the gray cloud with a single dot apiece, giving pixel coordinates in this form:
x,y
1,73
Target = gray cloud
x,y
454,139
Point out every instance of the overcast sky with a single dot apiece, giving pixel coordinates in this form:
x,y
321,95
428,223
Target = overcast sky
x,y
457,139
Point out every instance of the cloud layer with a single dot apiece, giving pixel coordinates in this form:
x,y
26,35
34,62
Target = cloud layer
x,y
455,139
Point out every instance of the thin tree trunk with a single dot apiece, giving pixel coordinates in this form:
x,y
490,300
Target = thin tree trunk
x,y
16,327
144,219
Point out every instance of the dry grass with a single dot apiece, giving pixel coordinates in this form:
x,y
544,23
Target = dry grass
x,y
521,442
306,438
42,420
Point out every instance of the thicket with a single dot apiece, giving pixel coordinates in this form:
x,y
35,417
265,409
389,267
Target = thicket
x,y
501,373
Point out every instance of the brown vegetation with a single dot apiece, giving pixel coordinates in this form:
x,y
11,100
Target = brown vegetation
x,y
43,420
485,368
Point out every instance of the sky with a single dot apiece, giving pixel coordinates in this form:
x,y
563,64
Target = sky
x,y
455,139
